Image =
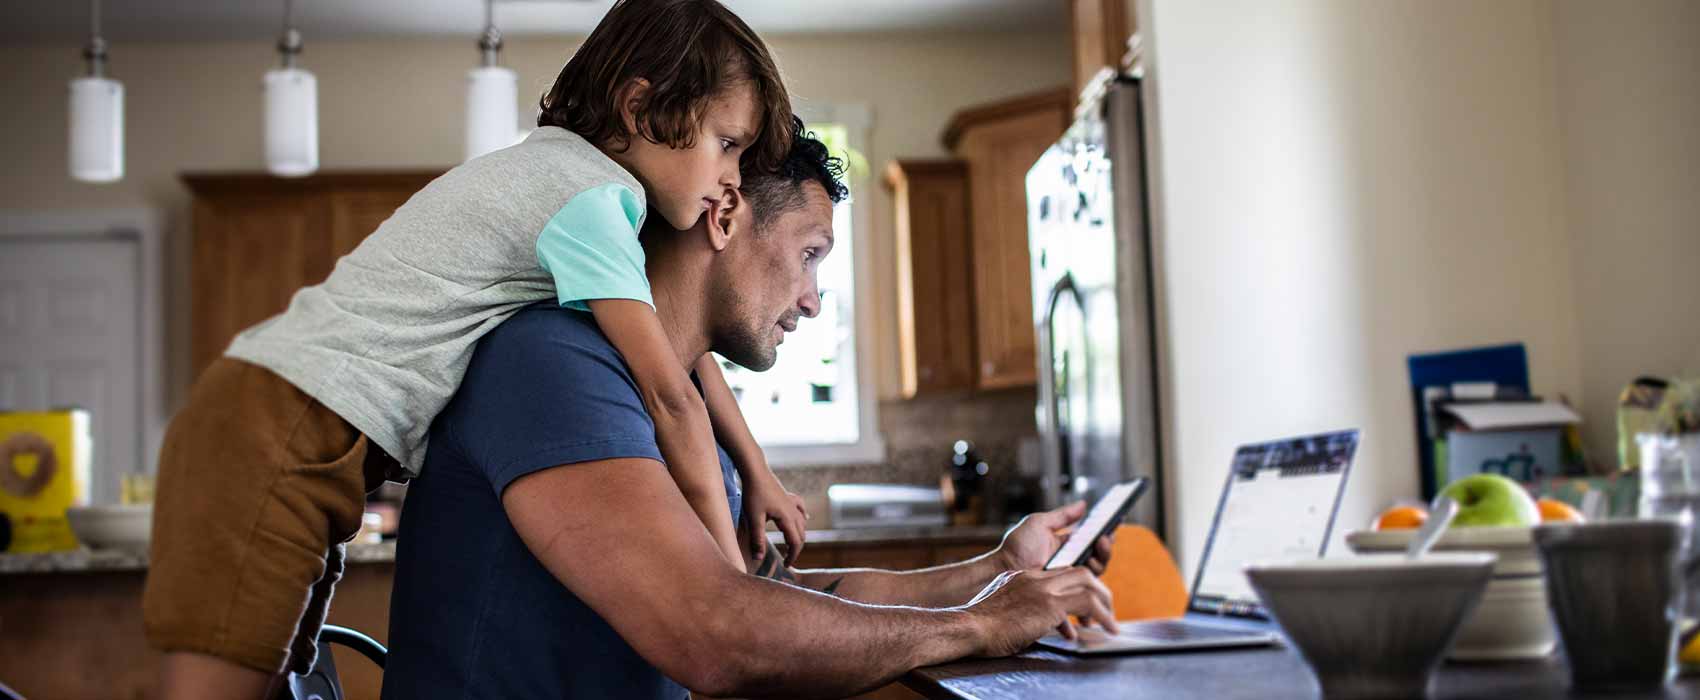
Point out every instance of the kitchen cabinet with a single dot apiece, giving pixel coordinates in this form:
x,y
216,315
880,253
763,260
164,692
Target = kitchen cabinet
x,y
1098,30
258,238
999,142
935,284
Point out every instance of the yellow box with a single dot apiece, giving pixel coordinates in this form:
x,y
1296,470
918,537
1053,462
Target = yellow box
x,y
44,469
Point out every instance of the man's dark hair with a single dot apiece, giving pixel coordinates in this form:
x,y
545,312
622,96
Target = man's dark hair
x,y
772,193
689,51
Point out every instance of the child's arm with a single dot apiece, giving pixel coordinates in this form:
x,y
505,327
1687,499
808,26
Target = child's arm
x,y
682,429
764,496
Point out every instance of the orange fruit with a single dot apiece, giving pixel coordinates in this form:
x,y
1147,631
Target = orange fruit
x,y
1401,518
1554,510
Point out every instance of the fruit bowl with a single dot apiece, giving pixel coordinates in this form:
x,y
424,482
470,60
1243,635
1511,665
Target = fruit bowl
x,y
1373,626
125,527
1512,621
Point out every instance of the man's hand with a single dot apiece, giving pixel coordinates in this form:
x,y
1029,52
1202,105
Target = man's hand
x,y
1019,607
1038,536
767,499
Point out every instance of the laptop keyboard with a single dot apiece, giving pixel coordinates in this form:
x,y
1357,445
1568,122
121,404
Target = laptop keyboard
x,y
1180,631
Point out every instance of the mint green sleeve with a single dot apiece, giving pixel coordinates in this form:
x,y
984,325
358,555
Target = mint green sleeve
x,y
590,248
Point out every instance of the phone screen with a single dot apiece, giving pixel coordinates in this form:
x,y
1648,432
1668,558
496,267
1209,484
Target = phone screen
x,y
1104,516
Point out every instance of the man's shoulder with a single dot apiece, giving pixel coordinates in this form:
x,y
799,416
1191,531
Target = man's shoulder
x,y
546,336
544,388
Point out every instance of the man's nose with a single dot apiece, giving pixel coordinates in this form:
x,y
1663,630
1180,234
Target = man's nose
x,y
810,302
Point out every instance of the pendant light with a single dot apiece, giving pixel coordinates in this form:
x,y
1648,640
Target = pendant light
x,y
97,114
292,108
492,95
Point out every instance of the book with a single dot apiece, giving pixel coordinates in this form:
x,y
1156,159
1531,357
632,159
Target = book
x,y
45,459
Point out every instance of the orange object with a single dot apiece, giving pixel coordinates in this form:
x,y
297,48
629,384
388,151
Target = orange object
x,y
1401,518
1554,510
1142,576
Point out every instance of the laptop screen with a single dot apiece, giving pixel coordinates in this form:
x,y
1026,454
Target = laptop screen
x,y
1279,503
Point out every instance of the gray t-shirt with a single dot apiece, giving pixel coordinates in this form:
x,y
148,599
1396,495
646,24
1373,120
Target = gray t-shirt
x,y
385,340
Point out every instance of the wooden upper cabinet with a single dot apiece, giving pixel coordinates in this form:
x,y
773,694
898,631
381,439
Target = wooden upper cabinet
x,y
257,239
1099,29
1000,142
935,285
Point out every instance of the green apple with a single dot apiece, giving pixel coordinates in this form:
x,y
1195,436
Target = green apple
x,y
1486,500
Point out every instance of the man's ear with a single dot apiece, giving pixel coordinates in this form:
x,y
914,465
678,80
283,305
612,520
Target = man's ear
x,y
724,221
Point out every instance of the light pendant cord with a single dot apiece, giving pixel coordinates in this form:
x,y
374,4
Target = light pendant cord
x,y
490,42
289,44
95,51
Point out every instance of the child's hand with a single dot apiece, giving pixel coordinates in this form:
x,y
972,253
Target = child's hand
x,y
767,499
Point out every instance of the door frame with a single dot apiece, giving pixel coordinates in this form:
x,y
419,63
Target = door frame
x,y
144,228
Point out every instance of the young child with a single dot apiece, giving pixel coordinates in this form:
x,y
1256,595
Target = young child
x,y
263,473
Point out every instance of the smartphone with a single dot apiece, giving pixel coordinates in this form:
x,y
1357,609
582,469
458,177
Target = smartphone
x,y
1105,515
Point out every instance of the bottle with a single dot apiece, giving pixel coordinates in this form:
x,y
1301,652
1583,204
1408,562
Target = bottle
x,y
968,478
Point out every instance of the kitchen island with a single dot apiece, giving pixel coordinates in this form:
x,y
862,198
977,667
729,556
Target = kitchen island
x,y
71,622
1266,673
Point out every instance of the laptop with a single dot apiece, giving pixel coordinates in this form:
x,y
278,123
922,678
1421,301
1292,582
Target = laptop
x,y
1279,503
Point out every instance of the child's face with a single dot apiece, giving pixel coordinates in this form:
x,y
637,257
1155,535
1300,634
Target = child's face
x,y
682,183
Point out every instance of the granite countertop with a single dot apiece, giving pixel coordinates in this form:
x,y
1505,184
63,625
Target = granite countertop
x,y
112,560
103,560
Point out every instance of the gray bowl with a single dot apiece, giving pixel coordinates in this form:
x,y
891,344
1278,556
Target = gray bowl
x,y
1373,626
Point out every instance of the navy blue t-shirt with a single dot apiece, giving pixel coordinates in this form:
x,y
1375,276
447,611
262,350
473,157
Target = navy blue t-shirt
x,y
473,614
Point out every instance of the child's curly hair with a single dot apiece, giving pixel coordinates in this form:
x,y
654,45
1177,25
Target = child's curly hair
x,y
688,51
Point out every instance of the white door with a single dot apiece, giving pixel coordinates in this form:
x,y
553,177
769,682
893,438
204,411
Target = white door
x,y
70,336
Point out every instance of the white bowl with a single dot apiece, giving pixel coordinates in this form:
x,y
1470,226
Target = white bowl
x,y
1513,621
1373,626
125,527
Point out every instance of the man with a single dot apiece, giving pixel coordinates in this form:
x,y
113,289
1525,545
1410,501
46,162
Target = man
x,y
546,552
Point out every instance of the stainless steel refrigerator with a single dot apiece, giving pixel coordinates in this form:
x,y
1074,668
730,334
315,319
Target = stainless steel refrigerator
x,y
1093,307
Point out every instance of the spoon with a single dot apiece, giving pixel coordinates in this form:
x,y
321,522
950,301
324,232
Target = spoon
x,y
1445,509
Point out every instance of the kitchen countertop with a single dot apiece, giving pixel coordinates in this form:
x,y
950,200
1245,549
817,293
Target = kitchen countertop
x,y
105,560
1228,674
98,560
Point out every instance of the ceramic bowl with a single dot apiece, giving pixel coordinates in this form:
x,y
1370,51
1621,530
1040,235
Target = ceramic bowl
x,y
125,527
1373,626
1513,621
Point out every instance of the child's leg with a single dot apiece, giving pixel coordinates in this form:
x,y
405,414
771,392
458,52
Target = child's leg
x,y
257,481
682,430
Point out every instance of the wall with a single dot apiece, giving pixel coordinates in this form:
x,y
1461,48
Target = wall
x,y
1341,184
1628,103
399,104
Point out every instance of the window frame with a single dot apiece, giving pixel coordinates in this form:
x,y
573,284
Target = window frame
x,y
869,447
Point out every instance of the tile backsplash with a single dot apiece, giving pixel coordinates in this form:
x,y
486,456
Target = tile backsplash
x,y
918,437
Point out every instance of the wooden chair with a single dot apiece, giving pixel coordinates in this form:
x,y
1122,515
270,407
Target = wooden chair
x,y
1143,577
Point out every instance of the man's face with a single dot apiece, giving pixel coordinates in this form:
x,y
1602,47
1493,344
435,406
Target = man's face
x,y
766,281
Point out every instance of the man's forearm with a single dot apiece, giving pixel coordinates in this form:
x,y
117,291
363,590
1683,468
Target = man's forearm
x,y
796,642
937,587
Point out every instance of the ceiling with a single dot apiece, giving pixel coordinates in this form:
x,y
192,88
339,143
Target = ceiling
x,y
56,21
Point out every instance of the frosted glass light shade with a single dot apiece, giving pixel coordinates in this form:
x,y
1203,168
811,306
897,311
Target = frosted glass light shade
x,y
492,109
292,122
97,129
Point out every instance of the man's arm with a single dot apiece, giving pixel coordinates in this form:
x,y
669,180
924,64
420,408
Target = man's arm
x,y
1026,546
618,534
937,587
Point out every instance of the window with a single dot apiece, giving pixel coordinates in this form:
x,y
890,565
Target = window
x,y
816,406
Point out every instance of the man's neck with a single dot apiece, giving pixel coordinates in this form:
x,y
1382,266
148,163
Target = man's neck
x,y
682,309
